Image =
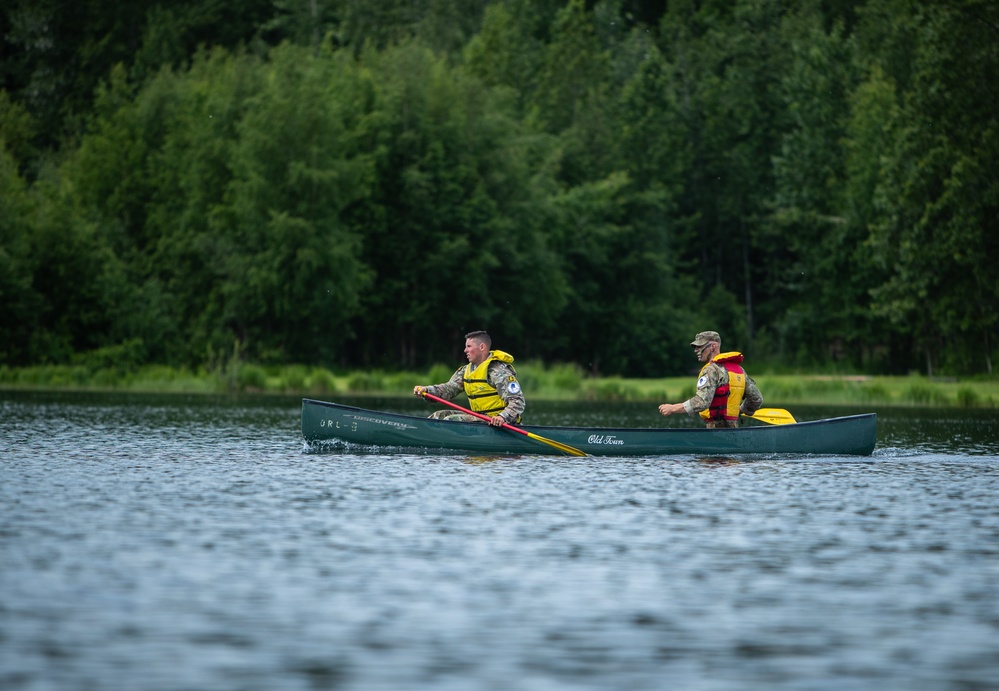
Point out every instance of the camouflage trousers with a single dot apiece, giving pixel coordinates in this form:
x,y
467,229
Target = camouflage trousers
x,y
454,416
721,424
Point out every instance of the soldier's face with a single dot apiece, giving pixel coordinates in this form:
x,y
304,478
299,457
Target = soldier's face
x,y
475,351
704,352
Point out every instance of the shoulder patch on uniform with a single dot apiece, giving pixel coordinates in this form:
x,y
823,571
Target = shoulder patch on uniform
x,y
513,386
702,381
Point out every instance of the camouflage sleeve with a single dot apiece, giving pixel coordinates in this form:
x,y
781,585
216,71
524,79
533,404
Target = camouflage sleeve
x,y
752,399
451,388
706,386
503,378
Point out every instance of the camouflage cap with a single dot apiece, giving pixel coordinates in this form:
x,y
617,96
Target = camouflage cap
x,y
704,338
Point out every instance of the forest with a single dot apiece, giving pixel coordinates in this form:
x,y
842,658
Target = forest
x,y
357,183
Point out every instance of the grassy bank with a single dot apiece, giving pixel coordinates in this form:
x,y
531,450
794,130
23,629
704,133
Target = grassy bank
x,y
559,382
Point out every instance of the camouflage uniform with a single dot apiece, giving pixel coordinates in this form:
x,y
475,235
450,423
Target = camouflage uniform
x,y
502,377
715,376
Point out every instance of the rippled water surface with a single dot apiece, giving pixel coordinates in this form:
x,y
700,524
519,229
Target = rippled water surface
x,y
151,542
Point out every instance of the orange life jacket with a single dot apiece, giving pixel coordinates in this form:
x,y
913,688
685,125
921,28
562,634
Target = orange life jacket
x,y
728,397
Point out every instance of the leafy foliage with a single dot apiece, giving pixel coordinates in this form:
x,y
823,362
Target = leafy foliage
x,y
360,183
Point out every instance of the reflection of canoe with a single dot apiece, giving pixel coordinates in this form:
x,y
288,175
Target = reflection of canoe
x,y
853,435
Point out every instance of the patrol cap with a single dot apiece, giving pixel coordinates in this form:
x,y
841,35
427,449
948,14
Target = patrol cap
x,y
704,338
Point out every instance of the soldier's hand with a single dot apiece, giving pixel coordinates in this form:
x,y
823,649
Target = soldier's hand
x,y
419,390
667,409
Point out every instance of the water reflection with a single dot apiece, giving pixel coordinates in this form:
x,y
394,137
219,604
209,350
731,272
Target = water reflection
x,y
718,460
485,460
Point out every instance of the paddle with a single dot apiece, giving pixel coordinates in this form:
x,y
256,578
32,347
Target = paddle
x,y
565,448
773,416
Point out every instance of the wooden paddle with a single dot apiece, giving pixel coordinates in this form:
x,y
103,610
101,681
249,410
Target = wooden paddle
x,y
565,448
773,416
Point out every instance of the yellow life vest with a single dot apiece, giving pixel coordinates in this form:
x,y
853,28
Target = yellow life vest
x,y
728,397
482,397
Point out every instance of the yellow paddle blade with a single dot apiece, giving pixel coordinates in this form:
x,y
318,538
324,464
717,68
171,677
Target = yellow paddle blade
x,y
773,416
557,444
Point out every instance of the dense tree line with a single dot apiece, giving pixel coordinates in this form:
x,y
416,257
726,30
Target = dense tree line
x,y
356,183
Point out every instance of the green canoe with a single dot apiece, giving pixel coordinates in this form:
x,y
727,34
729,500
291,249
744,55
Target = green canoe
x,y
350,427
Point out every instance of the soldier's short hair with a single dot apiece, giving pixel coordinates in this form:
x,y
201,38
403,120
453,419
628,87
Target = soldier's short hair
x,y
480,336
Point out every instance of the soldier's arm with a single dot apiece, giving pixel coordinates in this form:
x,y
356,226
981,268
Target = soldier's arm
x,y
752,399
706,386
451,388
503,378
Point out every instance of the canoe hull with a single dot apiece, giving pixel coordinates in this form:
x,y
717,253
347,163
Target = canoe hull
x,y
324,422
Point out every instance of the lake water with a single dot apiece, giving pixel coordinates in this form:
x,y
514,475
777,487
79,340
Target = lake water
x,y
192,542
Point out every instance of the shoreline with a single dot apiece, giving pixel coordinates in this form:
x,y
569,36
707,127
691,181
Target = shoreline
x,y
560,383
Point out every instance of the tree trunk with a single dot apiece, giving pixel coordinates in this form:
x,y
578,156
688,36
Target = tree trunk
x,y
747,279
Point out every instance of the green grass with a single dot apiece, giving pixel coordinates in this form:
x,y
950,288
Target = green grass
x,y
541,382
